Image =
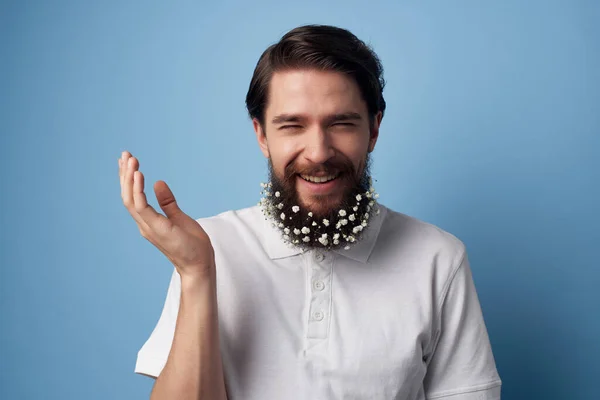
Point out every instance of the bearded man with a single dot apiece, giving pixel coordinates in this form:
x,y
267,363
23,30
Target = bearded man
x,y
319,291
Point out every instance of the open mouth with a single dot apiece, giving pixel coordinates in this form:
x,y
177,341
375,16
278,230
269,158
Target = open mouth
x,y
320,179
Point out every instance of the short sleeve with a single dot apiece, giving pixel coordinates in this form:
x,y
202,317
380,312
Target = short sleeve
x,y
462,365
152,357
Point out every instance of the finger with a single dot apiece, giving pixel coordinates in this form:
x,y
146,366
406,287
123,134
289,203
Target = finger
x,y
166,199
124,157
121,174
143,209
131,166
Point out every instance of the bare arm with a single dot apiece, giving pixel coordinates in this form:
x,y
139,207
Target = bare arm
x,y
194,369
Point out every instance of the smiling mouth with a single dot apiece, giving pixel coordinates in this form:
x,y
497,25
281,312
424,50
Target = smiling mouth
x,y
319,179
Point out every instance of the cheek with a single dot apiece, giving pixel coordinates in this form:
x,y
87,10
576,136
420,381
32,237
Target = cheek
x,y
356,152
282,152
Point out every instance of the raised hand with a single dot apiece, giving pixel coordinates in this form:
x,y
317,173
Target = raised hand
x,y
175,234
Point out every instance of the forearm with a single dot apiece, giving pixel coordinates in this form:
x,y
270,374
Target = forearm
x,y
194,368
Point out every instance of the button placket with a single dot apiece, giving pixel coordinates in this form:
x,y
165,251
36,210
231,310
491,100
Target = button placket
x,y
320,295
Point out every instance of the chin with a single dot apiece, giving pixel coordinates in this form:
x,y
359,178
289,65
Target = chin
x,y
322,205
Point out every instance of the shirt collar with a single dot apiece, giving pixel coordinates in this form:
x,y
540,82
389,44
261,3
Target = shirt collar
x,y
276,248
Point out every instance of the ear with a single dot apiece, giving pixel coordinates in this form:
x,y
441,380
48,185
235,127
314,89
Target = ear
x,y
261,137
375,131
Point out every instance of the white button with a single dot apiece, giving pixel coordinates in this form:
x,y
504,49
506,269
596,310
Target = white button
x,y
319,285
320,257
318,315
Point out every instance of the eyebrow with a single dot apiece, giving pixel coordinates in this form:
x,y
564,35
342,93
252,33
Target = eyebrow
x,y
347,116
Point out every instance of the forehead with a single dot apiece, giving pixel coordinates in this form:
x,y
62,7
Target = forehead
x,y
313,93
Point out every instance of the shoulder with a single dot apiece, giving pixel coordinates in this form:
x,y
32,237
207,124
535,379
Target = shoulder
x,y
402,229
232,221
242,229
407,241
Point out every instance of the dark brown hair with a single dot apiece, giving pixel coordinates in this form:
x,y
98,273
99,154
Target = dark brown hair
x,y
321,47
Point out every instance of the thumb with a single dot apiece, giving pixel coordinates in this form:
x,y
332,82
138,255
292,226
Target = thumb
x,y
166,199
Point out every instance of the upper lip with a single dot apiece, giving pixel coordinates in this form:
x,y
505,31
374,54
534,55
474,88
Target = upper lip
x,y
320,174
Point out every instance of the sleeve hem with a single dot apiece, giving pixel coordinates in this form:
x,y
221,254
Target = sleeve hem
x,y
472,389
149,366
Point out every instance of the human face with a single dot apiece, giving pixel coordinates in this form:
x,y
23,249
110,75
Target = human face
x,y
316,124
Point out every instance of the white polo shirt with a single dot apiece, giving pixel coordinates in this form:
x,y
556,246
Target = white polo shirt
x,y
395,317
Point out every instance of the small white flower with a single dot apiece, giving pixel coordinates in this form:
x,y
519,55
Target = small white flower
x,y
355,208
336,242
296,231
323,241
358,197
314,223
306,239
366,215
280,206
376,196
364,223
347,248
324,236
305,230
357,229
344,221
295,209
280,225
351,239
342,213
282,216
336,236
338,225
310,214
277,194
352,217
371,203
369,195
372,189
286,237
326,222
286,231
269,184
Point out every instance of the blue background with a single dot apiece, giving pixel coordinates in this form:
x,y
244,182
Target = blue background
x,y
492,133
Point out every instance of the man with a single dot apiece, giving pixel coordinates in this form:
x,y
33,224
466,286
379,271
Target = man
x,y
318,292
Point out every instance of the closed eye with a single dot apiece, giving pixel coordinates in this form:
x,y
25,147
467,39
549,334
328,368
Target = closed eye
x,y
290,126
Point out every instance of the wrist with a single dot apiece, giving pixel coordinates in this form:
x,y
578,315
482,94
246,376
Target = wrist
x,y
200,278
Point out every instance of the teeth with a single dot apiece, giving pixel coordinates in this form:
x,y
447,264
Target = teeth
x,y
318,179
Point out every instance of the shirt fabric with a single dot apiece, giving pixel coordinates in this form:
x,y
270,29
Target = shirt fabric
x,y
394,317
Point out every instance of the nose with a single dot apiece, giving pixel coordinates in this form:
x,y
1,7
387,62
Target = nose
x,y
318,148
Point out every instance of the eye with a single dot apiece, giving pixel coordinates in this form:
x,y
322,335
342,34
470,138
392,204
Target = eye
x,y
290,127
343,125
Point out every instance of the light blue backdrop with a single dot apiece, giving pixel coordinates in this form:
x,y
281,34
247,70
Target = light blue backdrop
x,y
492,133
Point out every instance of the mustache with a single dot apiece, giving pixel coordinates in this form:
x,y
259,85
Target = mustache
x,y
330,167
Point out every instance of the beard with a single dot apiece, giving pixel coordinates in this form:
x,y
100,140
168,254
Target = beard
x,y
325,222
